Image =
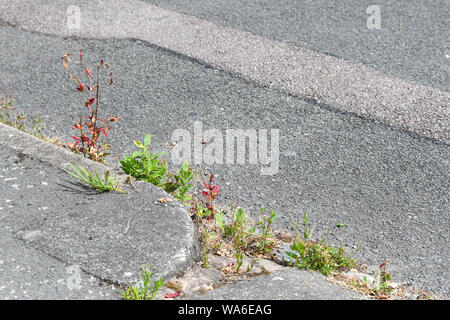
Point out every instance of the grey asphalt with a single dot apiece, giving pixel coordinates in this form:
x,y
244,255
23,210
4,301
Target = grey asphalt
x,y
412,42
390,187
60,239
327,80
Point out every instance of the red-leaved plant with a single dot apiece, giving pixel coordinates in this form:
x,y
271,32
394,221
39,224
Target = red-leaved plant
x,y
211,192
90,126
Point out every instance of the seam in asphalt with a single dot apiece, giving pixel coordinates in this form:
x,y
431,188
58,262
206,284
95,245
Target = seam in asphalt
x,y
353,87
249,81
315,102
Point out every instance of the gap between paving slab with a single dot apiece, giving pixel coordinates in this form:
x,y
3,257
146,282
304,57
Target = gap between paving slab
x,y
109,235
265,280
285,284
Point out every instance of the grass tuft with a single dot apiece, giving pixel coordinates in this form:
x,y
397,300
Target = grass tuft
x,y
146,291
104,183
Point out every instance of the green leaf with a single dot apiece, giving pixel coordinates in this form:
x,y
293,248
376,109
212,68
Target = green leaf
x,y
291,255
240,216
147,140
138,144
220,221
298,246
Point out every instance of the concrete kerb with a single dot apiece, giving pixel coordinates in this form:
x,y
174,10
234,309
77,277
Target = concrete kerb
x,y
128,230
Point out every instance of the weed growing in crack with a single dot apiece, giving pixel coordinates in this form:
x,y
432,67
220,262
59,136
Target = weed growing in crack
x,y
210,192
102,183
147,166
243,236
265,243
92,125
203,213
18,120
183,180
205,258
381,285
236,230
231,232
378,286
239,258
317,255
146,291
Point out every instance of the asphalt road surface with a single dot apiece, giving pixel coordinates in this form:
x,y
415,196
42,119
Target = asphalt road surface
x,y
412,42
388,186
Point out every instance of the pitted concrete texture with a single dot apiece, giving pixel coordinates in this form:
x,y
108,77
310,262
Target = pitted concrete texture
x,y
286,284
107,236
326,80
27,273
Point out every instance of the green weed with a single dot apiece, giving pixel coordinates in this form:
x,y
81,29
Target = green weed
x,y
149,288
265,243
18,120
183,181
145,165
104,183
258,239
318,255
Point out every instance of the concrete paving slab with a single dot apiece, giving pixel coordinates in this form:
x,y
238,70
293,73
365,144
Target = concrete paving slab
x,y
108,236
286,284
27,273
